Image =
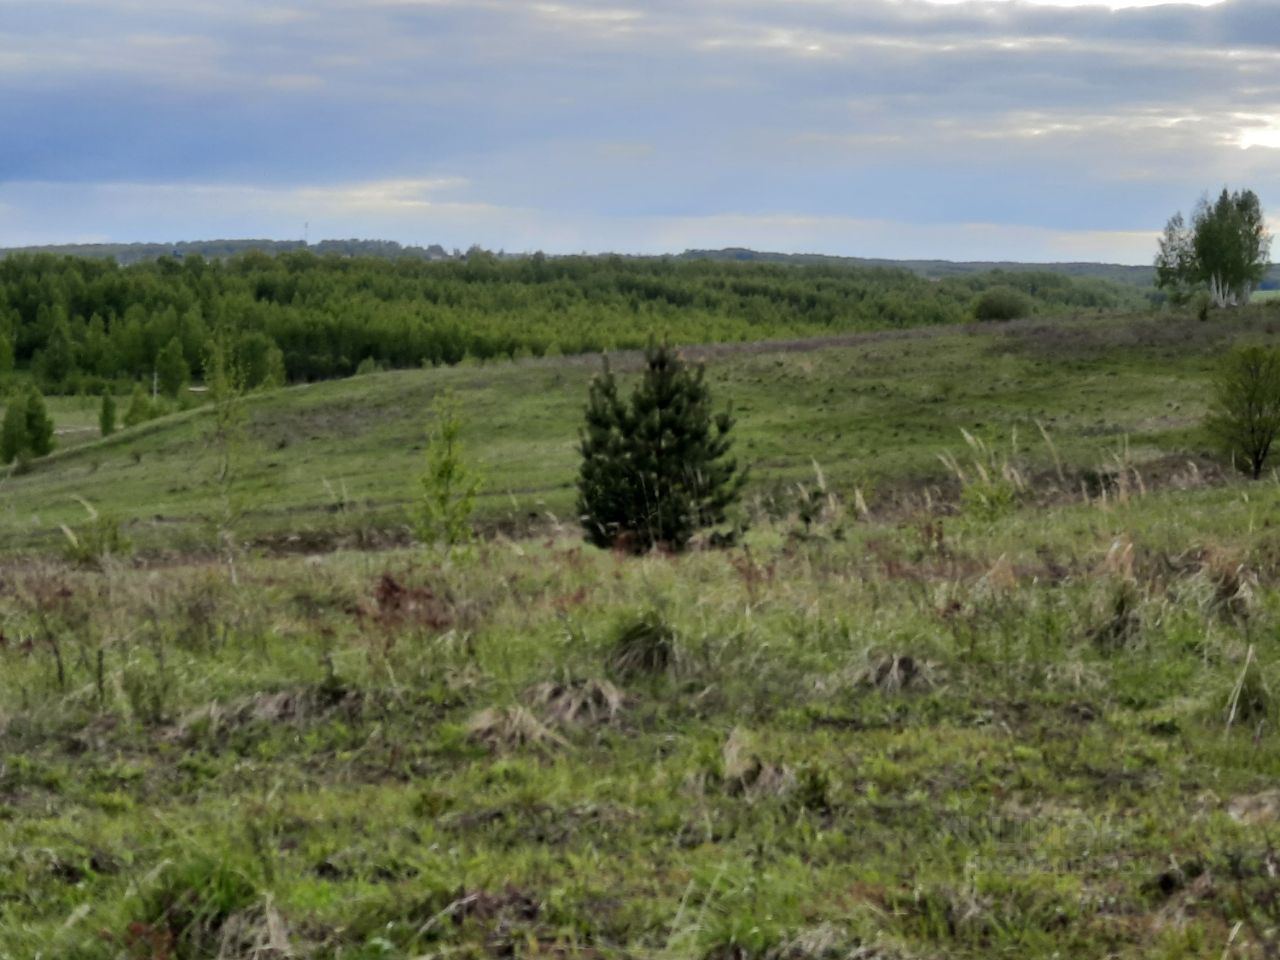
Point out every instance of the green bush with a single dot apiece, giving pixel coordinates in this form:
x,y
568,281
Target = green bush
x,y
1001,303
141,409
1244,413
27,428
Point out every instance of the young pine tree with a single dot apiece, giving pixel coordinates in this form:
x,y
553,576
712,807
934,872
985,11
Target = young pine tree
x,y
13,431
107,414
448,487
655,470
39,425
224,379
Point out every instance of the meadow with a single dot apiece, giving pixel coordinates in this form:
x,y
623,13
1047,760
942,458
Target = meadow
x,y
875,412
1014,696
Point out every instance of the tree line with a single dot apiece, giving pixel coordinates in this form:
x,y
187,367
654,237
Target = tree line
x,y
80,324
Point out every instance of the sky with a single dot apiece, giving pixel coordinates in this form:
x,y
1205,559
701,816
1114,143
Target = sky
x,y
971,130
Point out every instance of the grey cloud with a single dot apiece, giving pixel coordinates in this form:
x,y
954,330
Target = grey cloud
x,y
873,109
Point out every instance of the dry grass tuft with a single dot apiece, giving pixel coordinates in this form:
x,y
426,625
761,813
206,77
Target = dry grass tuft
x,y
292,705
1232,586
509,728
577,702
745,774
1120,560
898,673
827,941
1120,619
258,933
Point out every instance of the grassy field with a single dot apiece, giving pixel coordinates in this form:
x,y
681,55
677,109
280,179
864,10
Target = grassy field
x,y
338,461
1033,716
1049,734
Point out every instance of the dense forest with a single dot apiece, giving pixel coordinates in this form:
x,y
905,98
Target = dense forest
x,y
77,323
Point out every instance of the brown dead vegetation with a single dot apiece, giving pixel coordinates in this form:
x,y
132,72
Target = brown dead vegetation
x,y
295,705
396,606
584,702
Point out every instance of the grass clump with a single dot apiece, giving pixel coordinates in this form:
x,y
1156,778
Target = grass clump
x,y
97,540
188,912
991,485
644,645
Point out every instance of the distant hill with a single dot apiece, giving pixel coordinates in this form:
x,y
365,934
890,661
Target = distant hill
x,y
129,253
1138,276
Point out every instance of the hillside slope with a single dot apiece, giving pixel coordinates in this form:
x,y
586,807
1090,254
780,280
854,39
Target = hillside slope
x,y
874,411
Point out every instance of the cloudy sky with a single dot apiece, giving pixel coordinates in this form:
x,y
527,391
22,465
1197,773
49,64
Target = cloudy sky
x,y
988,129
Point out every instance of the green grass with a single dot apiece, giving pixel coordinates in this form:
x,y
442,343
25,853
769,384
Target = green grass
x,y
340,459
866,736
1033,716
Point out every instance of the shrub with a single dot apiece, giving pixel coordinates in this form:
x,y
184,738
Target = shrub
x,y
140,408
1201,303
1001,303
1244,413
654,470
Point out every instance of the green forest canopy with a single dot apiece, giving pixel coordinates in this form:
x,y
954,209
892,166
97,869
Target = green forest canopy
x,y
78,323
